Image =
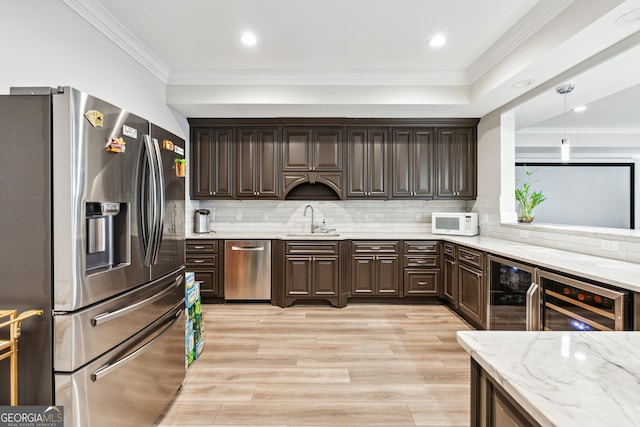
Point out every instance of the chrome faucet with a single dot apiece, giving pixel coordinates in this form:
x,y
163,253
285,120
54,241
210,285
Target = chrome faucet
x,y
313,226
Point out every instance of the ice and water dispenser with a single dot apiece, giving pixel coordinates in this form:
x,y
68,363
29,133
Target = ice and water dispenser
x,y
106,232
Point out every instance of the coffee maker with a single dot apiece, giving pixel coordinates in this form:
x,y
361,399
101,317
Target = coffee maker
x,y
201,221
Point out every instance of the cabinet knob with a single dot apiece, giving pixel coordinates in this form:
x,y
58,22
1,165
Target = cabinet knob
x,y
214,193
198,261
198,247
422,283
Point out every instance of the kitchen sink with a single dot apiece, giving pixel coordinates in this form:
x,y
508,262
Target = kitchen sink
x,y
313,235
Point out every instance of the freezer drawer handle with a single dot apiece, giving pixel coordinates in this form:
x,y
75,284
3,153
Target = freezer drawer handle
x,y
110,367
247,248
112,315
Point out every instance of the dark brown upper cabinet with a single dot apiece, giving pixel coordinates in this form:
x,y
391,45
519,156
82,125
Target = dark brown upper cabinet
x,y
456,163
385,158
367,163
257,163
211,159
307,149
412,163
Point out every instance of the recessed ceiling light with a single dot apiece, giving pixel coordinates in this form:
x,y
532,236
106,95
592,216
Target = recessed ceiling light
x,y
437,40
580,108
522,83
248,39
629,18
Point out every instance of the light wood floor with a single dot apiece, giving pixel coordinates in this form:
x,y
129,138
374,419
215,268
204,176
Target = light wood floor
x,y
362,365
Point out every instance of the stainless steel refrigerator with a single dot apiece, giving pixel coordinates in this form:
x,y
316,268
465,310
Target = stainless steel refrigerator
x,y
92,232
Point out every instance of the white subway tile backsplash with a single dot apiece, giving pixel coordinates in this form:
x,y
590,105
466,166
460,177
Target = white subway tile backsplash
x,y
346,216
402,216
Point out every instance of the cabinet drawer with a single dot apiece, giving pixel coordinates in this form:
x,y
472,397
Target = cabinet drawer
x,y
208,280
202,260
304,247
449,250
423,261
421,247
471,257
421,282
390,246
201,246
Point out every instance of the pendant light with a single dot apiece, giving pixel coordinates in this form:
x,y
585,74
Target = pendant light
x,y
564,143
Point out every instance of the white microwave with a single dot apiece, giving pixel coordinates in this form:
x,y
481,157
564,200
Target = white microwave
x,y
458,223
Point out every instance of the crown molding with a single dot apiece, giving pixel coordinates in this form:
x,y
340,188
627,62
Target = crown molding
x,y
526,27
95,14
283,77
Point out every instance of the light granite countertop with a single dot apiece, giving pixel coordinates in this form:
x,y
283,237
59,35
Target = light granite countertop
x,y
623,274
564,378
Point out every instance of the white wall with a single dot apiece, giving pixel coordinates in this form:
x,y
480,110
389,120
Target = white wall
x,y
495,193
45,43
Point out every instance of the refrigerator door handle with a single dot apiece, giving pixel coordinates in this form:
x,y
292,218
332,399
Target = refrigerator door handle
x,y
158,200
110,367
112,315
533,307
148,204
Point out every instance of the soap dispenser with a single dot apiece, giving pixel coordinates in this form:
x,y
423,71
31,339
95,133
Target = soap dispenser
x,y
323,227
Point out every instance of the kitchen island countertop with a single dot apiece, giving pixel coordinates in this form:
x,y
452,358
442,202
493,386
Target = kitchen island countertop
x,y
564,378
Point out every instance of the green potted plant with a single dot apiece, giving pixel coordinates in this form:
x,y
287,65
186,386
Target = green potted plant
x,y
527,198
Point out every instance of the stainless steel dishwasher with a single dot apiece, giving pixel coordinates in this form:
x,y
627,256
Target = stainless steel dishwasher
x,y
247,270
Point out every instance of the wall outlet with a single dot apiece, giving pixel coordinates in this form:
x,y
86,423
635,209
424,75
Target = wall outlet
x,y
524,234
609,245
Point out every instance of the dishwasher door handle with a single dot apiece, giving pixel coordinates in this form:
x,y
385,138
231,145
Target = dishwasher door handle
x,y
247,248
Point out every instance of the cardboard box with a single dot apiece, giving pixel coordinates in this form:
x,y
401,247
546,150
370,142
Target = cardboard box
x,y
199,347
190,279
193,294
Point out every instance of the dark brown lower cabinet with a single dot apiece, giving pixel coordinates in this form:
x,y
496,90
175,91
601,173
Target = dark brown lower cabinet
x,y
209,283
312,276
306,270
471,286
450,281
421,282
422,268
205,260
374,275
471,293
491,406
464,282
375,268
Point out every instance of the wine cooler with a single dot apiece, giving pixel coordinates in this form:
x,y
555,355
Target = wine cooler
x,y
514,298
573,305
